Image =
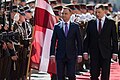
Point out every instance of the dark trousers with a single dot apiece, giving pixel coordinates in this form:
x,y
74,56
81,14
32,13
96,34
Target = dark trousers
x,y
66,66
54,77
119,55
79,66
5,66
99,65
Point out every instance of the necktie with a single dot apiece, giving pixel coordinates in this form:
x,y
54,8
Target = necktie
x,y
100,26
66,29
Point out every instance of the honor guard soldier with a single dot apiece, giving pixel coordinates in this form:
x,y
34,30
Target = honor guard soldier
x,y
31,4
57,15
108,14
119,40
53,3
26,36
8,53
106,9
73,8
119,29
110,8
74,1
77,6
83,8
58,7
90,8
6,2
57,10
28,15
22,3
22,51
75,12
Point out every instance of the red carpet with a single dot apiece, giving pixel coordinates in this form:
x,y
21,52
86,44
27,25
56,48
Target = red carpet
x,y
114,73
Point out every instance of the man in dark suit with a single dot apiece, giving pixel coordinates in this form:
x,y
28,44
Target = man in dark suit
x,y
67,36
119,40
101,43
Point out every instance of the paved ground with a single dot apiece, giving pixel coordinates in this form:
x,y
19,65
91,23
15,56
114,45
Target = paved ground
x,y
39,75
114,74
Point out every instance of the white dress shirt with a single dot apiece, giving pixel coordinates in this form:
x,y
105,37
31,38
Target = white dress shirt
x,y
102,22
63,25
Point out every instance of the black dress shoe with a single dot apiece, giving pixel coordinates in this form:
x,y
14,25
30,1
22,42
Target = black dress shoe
x,y
85,70
79,73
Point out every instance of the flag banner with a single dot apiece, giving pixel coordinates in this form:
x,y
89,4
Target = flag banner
x,y
43,29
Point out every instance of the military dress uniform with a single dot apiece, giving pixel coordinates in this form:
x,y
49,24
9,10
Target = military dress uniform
x,y
6,61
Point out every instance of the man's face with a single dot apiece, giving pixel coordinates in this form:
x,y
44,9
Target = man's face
x,y
110,9
100,13
66,14
23,3
32,5
91,11
83,11
28,15
22,18
13,14
6,26
76,11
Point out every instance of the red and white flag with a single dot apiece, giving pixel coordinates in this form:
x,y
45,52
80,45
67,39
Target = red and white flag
x,y
44,24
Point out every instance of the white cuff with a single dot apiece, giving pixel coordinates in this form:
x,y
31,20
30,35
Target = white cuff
x,y
115,54
79,56
85,53
52,56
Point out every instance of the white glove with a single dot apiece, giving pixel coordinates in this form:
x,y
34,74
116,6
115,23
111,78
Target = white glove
x,y
16,17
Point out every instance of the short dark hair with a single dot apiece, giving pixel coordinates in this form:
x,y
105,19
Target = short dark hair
x,y
100,6
68,9
110,5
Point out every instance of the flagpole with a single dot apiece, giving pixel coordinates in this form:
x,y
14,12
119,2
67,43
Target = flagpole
x,y
29,59
28,65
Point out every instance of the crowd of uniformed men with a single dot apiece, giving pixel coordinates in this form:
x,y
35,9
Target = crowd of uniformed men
x,y
17,17
16,23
